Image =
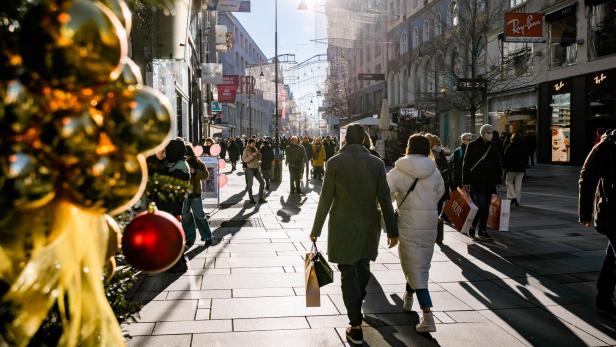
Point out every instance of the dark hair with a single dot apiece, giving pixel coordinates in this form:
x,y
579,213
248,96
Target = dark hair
x,y
355,134
516,137
251,140
418,144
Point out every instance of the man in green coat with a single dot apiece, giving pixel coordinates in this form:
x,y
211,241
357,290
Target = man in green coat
x,y
354,181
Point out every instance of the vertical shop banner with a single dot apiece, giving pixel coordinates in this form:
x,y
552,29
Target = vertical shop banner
x,y
524,27
209,187
227,91
247,85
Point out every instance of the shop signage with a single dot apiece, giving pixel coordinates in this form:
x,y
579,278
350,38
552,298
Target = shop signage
x,y
524,27
562,13
247,85
227,91
409,112
561,86
471,84
371,77
229,5
216,106
601,79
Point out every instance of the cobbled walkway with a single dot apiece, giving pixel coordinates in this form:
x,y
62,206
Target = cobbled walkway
x,y
533,285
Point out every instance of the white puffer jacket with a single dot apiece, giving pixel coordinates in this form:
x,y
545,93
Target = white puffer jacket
x,y
418,214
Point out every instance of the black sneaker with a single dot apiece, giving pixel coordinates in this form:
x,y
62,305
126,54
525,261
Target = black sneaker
x,y
484,236
208,243
262,201
252,201
355,335
606,307
471,233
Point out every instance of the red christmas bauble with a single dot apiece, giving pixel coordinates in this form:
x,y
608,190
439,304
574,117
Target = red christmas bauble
x,y
153,241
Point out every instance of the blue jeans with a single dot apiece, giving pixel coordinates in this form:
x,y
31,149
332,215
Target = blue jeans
x,y
423,296
193,216
251,174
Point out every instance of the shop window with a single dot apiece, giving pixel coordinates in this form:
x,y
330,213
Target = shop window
x,y
562,29
601,28
561,127
415,37
519,55
404,45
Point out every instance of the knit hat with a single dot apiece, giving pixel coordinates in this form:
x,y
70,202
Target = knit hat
x,y
485,129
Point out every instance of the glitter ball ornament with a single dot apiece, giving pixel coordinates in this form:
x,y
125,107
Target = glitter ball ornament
x,y
24,183
121,11
70,138
138,120
153,241
72,44
19,109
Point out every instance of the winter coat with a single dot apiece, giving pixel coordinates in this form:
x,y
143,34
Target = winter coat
x,y
417,222
199,173
318,155
308,149
455,167
354,182
330,149
516,157
251,157
296,156
267,157
597,186
234,151
482,174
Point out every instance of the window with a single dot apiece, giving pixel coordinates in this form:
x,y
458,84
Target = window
x,y
453,13
516,3
403,43
561,127
519,55
426,31
415,3
438,25
562,33
415,37
601,28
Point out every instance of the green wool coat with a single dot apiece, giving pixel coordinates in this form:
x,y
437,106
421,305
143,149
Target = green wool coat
x,y
355,181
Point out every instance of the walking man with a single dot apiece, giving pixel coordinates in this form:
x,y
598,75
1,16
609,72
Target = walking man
x,y
251,157
598,199
354,181
481,171
296,157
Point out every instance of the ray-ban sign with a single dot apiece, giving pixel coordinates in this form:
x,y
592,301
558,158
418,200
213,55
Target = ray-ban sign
x,y
466,84
524,27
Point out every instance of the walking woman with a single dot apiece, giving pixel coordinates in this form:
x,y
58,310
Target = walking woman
x,y
515,163
193,214
417,186
318,159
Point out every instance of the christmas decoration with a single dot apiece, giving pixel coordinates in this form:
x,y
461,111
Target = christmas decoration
x,y
166,188
222,180
215,150
153,241
75,123
222,163
198,151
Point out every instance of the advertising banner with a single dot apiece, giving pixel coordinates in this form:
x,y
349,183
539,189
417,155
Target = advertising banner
x,y
209,187
524,27
227,91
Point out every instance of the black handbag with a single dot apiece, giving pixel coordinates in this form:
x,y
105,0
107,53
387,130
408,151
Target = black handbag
x,y
324,272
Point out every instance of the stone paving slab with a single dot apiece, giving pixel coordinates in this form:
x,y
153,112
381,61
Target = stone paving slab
x,y
238,281
285,323
279,338
158,341
170,310
192,327
265,307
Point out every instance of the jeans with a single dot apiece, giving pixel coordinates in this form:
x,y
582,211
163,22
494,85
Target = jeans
x,y
250,175
514,185
354,281
423,296
193,216
607,277
482,200
296,177
267,176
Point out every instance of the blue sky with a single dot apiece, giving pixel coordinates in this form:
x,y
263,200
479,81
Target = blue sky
x,y
296,29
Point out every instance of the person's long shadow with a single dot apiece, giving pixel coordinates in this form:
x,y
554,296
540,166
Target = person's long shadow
x,y
488,298
290,207
378,305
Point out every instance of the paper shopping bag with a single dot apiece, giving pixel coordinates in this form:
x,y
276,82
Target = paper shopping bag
x,y
460,210
498,219
313,291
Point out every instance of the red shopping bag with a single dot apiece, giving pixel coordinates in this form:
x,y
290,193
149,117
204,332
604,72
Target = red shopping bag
x,y
498,219
460,210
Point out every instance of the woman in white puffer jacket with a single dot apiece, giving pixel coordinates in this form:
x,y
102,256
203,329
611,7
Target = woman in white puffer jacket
x,y
417,222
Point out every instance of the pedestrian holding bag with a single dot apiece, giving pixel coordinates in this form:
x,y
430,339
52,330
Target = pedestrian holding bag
x,y
461,210
500,209
318,273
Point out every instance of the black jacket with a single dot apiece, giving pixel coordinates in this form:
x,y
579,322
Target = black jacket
x,y
308,149
482,174
455,166
267,157
597,186
516,157
296,156
234,151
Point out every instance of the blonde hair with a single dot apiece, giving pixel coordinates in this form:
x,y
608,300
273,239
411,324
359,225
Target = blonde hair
x,y
434,140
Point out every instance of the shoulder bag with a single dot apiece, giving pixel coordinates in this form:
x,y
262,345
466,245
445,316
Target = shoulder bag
x,y
397,212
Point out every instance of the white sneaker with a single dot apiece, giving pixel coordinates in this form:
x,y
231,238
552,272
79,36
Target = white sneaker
x,y
426,324
408,302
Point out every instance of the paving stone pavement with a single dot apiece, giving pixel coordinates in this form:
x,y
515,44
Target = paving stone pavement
x,y
533,285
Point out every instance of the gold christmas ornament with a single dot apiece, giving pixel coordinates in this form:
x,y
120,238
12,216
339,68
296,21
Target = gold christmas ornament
x,y
137,120
70,138
72,44
121,11
112,183
25,182
19,109
115,236
130,76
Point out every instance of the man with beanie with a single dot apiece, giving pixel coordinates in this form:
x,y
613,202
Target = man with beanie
x,y
354,181
296,157
481,171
